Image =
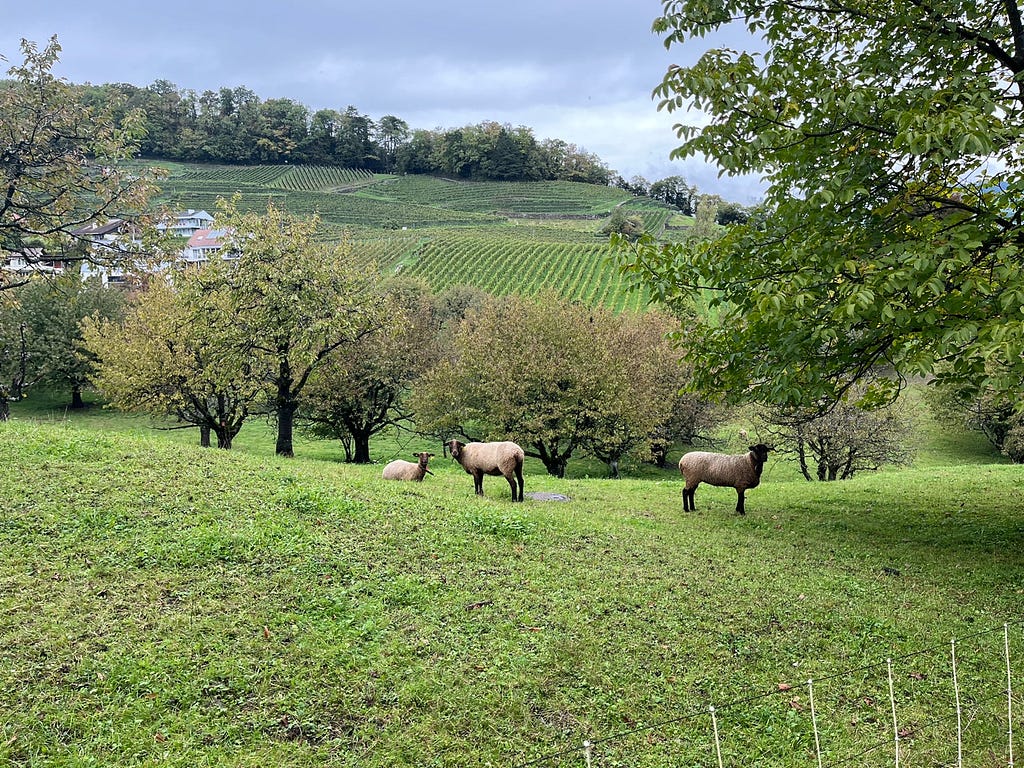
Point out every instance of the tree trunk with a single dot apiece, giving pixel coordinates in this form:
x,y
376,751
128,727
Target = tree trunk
x,y
285,427
5,409
77,403
554,462
204,436
225,436
362,448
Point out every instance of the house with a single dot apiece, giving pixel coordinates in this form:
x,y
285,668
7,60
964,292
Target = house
x,y
117,237
32,261
187,223
105,240
203,244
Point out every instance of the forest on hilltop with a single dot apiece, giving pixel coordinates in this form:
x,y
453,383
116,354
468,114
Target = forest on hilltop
x,y
234,126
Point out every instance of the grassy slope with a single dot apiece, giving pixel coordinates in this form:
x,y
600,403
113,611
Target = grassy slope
x,y
164,605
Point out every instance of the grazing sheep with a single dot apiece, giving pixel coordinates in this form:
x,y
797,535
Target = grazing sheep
x,y
479,459
740,472
406,470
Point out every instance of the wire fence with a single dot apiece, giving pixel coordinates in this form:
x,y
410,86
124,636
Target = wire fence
x,y
948,706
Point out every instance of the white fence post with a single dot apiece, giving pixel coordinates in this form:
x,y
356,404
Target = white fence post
x,y
959,719
892,702
814,721
718,745
1009,689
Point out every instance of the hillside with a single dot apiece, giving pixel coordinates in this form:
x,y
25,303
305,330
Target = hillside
x,y
166,605
499,236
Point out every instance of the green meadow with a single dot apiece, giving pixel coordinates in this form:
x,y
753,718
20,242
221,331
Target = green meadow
x,y
166,605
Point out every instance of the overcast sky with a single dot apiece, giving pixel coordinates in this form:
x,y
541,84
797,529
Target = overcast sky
x,y
577,70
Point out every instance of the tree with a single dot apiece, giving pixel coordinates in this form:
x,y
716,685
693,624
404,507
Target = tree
x,y
291,300
890,135
506,160
705,218
732,213
995,415
170,356
676,192
630,227
52,312
283,124
417,154
532,370
391,134
355,149
646,410
59,164
363,387
845,440
16,371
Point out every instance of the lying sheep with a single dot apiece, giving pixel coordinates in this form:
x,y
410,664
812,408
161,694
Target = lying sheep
x,y
740,472
479,459
406,470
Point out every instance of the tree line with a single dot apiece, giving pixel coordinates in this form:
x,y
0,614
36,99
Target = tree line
x,y
287,325
234,126
290,326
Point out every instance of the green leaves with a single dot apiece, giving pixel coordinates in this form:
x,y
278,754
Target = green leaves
x,y
58,167
893,223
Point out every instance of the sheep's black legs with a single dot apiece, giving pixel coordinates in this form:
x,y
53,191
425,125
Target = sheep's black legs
x,y
517,494
739,502
688,505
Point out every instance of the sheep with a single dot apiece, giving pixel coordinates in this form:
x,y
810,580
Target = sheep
x,y
406,470
740,472
479,459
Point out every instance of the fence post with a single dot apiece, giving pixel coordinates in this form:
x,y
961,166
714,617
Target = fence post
x,y
1009,689
959,721
892,702
718,744
814,721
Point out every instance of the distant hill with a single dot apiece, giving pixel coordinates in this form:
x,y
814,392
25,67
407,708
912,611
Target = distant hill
x,y
503,237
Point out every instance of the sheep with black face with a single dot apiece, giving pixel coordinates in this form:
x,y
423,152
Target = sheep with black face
x,y
741,472
407,470
479,459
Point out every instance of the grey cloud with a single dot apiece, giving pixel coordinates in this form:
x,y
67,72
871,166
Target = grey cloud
x,y
578,70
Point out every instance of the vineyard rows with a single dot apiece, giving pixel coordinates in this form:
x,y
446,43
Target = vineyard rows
x,y
315,178
554,197
338,210
443,231
499,266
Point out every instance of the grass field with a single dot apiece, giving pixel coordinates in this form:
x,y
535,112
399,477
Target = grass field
x,y
516,235
166,605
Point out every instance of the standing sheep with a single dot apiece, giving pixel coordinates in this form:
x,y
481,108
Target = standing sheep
x,y
740,472
479,459
406,470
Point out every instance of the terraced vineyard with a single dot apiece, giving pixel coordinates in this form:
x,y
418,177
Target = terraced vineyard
x,y
503,265
555,198
655,214
502,237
